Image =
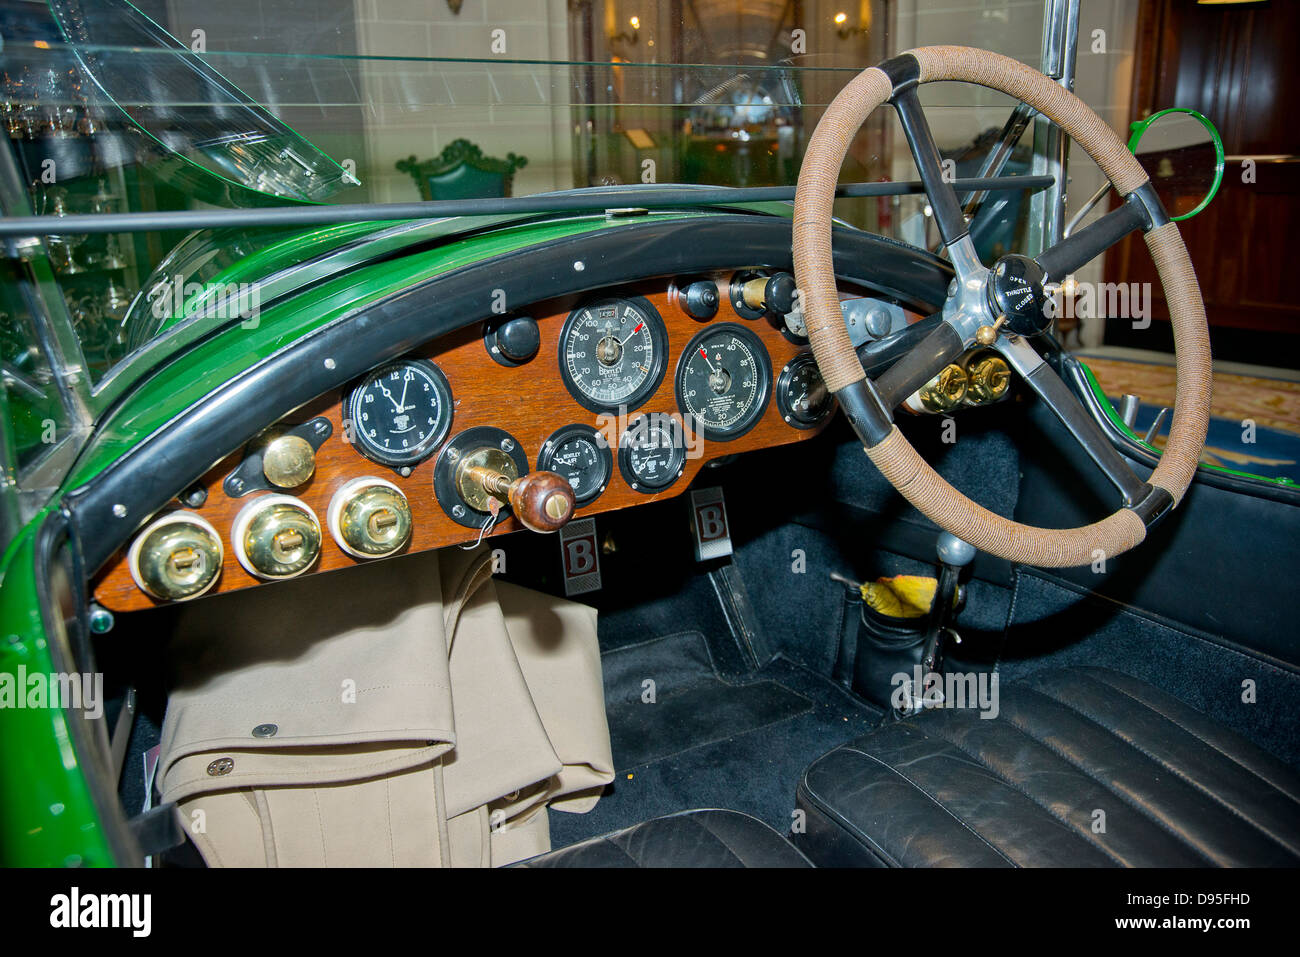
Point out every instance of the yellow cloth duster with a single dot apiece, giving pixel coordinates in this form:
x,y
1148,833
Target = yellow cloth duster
x,y
903,596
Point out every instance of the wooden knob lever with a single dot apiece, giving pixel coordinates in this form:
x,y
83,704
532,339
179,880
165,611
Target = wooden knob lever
x,y
543,501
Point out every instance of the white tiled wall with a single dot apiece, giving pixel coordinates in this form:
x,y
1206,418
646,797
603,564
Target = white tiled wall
x,y
417,108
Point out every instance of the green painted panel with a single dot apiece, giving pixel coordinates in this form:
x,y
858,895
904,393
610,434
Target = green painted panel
x,y
47,815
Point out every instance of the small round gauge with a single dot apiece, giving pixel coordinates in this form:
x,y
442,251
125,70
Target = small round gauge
x,y
580,454
612,353
801,393
401,412
652,453
724,379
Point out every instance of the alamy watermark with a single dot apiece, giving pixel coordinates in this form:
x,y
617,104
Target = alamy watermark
x,y
924,690
1101,300
232,300
40,690
622,426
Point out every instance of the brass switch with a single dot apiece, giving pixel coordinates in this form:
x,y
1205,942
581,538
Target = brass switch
x,y
177,557
276,536
990,378
288,461
369,518
941,394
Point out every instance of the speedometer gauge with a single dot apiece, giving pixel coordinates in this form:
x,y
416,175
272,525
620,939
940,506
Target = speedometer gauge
x,y
612,354
401,412
724,379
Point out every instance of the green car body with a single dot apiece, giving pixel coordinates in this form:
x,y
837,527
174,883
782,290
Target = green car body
x,y
48,813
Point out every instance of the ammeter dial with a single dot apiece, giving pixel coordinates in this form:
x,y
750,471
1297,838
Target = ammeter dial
x,y
724,379
801,393
581,455
401,412
612,353
652,452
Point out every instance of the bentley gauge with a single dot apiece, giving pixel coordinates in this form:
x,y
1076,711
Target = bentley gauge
x,y
801,394
652,452
612,353
581,455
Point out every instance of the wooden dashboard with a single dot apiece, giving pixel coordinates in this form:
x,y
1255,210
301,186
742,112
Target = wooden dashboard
x,y
529,401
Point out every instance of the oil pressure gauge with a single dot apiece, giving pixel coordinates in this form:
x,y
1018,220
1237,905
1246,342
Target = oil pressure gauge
x,y
652,452
724,380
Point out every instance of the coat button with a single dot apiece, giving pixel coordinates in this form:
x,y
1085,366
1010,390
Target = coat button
x,y
221,766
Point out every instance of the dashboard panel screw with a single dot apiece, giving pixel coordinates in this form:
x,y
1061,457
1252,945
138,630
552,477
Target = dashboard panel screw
x,y
101,620
119,510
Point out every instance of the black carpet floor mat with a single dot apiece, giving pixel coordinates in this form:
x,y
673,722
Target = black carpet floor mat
x,y
664,697
709,742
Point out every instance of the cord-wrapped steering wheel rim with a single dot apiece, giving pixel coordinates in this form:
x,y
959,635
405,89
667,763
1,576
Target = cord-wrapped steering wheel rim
x,y
897,460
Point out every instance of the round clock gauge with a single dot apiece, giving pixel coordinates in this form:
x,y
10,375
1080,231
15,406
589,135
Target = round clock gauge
x,y
400,413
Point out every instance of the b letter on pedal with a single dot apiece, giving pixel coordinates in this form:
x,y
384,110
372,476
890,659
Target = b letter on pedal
x,y
709,523
581,556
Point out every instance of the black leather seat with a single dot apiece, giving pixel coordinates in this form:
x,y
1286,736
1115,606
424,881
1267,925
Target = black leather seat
x,y
1081,767
706,838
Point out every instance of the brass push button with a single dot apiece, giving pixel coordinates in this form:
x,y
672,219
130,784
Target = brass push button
x,y
369,518
176,557
276,536
288,461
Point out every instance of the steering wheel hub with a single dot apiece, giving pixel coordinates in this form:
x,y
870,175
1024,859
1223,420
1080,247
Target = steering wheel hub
x,y
1015,290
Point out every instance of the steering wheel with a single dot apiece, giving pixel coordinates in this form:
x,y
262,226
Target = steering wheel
x,y
999,307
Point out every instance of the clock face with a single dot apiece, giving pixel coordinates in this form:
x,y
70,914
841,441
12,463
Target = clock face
x,y
401,413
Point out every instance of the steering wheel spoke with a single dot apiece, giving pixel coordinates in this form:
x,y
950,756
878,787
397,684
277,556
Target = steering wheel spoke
x,y
939,189
1053,391
919,365
1082,247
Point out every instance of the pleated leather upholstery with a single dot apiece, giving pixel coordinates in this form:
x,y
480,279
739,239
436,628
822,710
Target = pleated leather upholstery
x,y
707,838
1081,767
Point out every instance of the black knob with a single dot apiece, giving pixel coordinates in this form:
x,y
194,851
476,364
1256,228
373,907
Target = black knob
x,y
513,341
778,294
700,299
